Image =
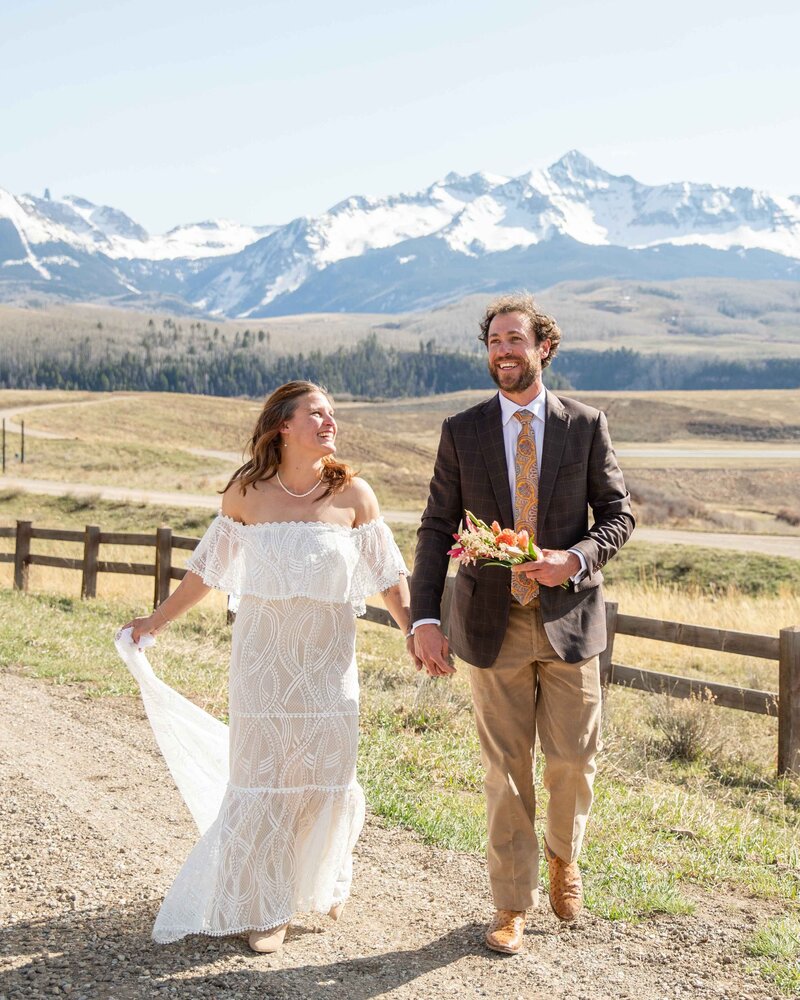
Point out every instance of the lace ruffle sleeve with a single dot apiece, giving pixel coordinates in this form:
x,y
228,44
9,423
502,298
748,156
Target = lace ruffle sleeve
x,y
219,558
380,564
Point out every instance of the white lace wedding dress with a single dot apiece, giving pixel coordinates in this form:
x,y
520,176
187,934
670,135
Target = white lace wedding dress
x,y
285,809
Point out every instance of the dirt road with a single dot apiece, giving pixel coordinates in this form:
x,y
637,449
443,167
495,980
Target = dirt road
x,y
11,413
93,833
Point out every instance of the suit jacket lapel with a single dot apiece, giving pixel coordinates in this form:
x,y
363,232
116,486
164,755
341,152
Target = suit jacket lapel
x,y
556,426
489,428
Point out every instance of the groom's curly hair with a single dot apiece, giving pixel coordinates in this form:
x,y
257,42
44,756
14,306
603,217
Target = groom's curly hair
x,y
542,326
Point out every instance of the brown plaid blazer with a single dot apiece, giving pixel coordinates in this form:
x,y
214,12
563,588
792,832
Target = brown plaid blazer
x,y
579,470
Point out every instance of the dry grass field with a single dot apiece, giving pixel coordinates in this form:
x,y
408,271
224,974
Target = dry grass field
x,y
148,440
696,316
720,460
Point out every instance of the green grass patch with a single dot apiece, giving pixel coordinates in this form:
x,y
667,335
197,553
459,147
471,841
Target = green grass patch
x,y
632,892
777,945
69,641
423,782
710,570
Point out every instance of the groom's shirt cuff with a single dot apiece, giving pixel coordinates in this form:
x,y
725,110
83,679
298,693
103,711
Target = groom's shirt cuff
x,y
425,621
583,570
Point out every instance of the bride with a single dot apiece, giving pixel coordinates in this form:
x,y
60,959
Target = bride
x,y
301,539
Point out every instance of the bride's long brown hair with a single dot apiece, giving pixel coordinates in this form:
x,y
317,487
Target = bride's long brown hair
x,y
264,447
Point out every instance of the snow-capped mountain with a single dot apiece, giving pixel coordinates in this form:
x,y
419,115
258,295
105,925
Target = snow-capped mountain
x,y
85,227
460,235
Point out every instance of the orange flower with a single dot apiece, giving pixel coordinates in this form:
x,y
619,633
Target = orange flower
x,y
496,528
506,536
522,539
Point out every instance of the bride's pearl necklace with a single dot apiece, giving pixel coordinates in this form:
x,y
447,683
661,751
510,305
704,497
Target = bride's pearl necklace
x,y
298,495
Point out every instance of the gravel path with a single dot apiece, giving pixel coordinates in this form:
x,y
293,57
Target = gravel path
x,y
93,832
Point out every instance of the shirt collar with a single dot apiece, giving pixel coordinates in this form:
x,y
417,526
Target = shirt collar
x,y
536,406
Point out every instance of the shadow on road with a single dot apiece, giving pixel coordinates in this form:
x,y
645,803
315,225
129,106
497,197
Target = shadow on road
x,y
99,954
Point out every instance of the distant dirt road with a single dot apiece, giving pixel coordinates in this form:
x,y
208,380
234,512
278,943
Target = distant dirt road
x,y
768,545
771,545
54,488
10,413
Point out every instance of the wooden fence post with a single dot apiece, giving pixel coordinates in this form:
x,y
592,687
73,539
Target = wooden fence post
x,y
789,700
91,550
163,565
606,657
22,554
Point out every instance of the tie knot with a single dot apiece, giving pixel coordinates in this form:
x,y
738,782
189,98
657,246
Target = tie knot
x,y
524,417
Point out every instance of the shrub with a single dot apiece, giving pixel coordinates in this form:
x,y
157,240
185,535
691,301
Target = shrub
x,y
789,516
687,728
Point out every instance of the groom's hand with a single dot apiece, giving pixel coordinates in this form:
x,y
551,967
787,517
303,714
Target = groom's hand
x,y
551,569
411,648
433,650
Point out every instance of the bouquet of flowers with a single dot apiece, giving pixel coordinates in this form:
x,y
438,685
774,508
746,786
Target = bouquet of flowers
x,y
501,546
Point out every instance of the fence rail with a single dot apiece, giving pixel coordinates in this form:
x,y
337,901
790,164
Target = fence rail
x,y
784,648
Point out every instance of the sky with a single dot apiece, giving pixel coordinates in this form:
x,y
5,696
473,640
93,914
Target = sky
x,y
262,111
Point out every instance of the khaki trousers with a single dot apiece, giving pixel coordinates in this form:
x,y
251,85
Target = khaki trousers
x,y
529,689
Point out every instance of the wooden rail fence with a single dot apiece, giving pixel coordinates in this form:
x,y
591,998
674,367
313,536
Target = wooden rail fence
x,y
162,570
785,647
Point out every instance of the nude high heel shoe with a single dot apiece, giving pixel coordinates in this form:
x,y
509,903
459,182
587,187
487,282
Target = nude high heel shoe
x,y
337,910
267,942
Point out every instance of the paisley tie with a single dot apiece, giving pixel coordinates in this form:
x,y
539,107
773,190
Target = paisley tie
x,y
526,499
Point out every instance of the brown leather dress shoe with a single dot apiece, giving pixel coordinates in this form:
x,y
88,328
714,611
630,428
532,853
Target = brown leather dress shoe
x,y
566,887
505,931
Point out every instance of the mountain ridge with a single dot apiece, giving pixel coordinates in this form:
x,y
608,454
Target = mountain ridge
x,y
461,234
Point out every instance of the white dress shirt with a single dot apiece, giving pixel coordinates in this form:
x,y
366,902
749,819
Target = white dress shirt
x,y
511,429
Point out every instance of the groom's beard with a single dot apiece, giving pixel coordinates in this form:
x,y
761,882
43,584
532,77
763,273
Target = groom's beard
x,y
523,378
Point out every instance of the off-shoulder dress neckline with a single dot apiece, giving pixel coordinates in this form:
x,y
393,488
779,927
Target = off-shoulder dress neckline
x,y
310,524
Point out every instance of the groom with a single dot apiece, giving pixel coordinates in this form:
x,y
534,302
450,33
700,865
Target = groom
x,y
530,459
